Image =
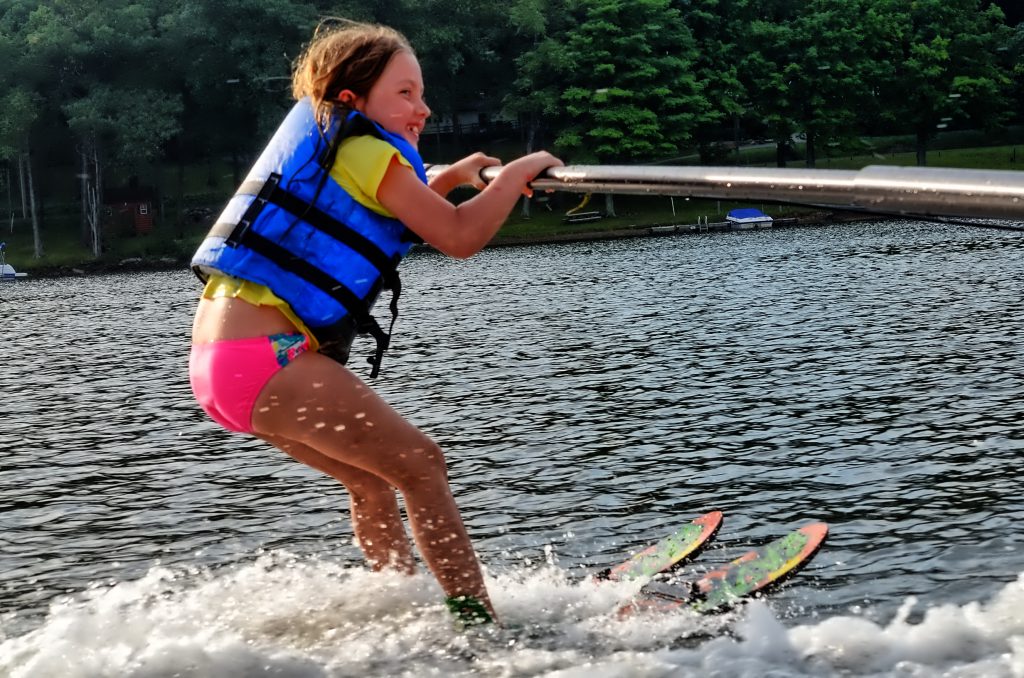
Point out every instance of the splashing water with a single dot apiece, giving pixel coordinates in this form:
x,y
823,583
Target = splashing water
x,y
284,615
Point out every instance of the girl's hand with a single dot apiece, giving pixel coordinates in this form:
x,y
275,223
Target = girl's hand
x,y
459,230
526,168
465,172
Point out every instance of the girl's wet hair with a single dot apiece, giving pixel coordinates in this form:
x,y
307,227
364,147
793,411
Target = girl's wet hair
x,y
343,55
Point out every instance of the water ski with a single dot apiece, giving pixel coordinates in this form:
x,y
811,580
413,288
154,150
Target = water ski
x,y
751,573
672,551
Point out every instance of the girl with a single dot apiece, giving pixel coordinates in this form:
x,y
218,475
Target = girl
x,y
293,267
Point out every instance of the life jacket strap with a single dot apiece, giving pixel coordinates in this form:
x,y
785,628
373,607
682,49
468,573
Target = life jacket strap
x,y
270,192
365,323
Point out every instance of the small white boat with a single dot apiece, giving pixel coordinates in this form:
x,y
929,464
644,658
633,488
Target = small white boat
x,y
748,218
7,271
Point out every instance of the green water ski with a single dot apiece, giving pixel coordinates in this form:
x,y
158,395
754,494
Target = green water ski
x,y
749,574
672,551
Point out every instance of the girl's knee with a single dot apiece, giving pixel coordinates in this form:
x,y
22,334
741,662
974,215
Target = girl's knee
x,y
370,492
422,467
432,461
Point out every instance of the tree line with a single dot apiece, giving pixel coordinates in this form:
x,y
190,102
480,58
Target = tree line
x,y
100,88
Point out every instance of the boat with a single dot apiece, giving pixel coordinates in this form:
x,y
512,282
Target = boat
x,y
7,271
748,218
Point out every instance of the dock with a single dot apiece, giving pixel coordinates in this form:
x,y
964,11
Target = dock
x,y
704,226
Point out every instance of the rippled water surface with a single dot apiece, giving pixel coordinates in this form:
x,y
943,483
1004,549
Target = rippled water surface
x,y
590,397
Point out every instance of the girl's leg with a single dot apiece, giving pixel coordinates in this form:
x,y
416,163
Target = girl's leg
x,y
323,405
375,516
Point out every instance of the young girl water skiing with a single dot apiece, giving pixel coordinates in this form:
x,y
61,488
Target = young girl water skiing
x,y
293,267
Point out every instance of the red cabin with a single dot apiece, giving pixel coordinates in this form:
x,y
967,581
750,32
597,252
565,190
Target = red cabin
x,y
129,208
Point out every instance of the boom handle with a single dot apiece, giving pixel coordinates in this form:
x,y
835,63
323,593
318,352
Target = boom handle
x,y
883,189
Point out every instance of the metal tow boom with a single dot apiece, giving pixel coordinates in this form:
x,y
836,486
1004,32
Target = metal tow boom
x,y
882,189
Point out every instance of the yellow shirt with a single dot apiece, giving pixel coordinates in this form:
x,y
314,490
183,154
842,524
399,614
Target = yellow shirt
x,y
361,165
359,168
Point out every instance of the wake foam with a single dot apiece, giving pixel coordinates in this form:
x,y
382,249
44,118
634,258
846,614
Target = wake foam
x,y
288,616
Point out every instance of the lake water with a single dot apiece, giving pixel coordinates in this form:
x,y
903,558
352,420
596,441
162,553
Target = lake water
x,y
590,398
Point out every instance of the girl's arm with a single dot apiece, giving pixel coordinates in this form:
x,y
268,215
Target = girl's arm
x,y
459,230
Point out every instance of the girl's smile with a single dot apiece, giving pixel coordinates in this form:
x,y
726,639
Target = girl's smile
x,y
395,101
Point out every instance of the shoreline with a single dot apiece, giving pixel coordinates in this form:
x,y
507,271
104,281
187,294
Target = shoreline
x,y
659,230
656,230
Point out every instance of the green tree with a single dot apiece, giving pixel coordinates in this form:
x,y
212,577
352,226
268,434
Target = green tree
x,y
133,123
948,67
1016,66
22,71
613,78
833,58
718,30
119,111
18,106
234,86
763,32
543,64
631,94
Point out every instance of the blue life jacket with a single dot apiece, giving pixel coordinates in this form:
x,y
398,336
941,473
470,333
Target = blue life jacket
x,y
294,229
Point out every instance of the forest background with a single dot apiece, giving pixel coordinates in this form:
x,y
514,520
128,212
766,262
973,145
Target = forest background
x,y
165,103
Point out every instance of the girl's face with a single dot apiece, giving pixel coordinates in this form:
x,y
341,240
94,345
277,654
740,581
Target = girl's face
x,y
395,102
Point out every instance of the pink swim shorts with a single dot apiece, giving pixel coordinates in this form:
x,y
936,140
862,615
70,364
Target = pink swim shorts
x,y
227,376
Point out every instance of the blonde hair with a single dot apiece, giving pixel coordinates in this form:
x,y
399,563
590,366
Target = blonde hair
x,y
343,55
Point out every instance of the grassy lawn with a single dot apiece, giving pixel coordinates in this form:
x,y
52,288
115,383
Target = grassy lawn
x,y
993,157
174,238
